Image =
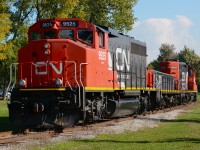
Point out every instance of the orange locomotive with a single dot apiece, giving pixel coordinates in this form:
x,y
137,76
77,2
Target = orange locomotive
x,y
72,70
184,79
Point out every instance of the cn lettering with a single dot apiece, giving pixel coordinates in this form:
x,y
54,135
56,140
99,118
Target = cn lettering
x,y
122,60
58,70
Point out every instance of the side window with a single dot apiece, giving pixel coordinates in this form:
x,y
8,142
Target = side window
x,y
101,39
50,34
66,34
86,35
35,35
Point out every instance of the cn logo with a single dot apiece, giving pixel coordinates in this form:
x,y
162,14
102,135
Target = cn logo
x,y
45,71
122,59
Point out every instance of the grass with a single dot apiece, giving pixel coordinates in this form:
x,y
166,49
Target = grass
x,y
5,124
182,133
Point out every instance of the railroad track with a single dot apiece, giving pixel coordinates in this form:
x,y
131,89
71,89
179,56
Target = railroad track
x,y
9,137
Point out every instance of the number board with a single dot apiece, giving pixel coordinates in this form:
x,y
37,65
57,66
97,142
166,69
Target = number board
x,y
69,23
46,24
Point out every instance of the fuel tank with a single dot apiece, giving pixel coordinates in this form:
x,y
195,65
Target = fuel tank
x,y
126,104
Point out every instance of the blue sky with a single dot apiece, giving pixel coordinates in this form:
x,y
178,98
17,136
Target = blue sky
x,y
167,21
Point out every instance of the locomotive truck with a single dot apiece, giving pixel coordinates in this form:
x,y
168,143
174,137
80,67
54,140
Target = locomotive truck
x,y
74,71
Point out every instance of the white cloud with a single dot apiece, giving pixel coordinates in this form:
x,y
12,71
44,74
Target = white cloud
x,y
156,31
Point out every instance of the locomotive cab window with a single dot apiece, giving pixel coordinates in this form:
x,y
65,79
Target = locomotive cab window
x,y
86,35
50,34
101,39
35,35
66,34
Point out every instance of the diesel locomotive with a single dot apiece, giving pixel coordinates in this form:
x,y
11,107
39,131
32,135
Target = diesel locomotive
x,y
74,71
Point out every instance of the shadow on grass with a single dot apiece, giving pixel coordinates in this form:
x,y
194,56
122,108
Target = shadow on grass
x,y
175,120
181,120
191,140
5,124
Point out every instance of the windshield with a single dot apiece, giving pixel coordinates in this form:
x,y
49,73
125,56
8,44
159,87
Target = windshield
x,y
66,34
50,34
86,35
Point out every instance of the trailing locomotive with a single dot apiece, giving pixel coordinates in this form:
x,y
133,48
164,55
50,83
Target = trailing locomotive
x,y
72,70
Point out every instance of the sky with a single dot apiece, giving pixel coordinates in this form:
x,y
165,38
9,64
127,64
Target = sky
x,y
174,22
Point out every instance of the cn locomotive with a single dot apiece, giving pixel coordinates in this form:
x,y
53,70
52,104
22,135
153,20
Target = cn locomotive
x,y
74,71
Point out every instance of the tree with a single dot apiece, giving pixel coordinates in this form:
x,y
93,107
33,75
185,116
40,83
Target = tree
x,y
5,25
188,55
53,9
166,51
117,14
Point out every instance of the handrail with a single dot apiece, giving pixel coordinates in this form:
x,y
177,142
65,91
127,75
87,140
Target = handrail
x,y
10,82
84,114
80,72
15,74
15,78
40,65
75,78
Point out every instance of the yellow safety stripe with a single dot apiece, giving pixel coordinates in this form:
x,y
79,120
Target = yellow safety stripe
x,y
134,88
178,91
109,89
43,89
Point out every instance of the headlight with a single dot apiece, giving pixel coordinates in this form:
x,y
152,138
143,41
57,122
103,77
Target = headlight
x,y
47,52
22,82
58,82
46,45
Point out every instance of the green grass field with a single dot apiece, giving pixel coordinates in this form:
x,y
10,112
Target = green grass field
x,y
5,124
182,134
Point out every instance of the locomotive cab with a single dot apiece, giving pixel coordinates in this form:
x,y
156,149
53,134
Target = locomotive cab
x,y
171,67
179,70
75,29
